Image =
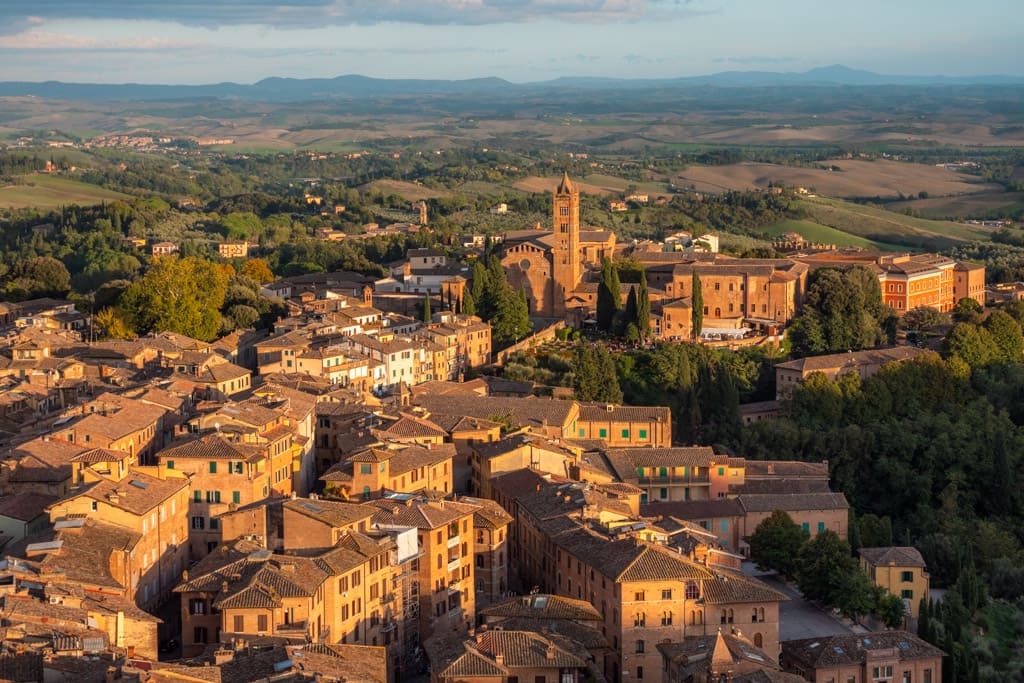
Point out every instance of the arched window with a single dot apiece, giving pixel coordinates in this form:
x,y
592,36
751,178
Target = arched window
x,y
640,619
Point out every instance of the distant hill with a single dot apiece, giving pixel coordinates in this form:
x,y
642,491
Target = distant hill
x,y
355,86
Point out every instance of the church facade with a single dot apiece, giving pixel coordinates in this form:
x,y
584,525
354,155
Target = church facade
x,y
549,264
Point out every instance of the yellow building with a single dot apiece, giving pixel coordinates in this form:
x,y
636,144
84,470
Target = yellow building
x,y
143,500
900,571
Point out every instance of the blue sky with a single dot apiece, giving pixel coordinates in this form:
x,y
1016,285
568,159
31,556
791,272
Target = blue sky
x,y
204,41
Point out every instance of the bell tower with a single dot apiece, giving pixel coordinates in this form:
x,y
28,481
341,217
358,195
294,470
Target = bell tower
x,y
565,254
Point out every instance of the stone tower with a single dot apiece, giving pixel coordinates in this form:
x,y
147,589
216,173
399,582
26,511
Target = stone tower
x,y
565,266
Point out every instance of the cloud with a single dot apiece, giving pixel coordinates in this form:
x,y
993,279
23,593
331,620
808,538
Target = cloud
x,y
754,59
17,15
43,40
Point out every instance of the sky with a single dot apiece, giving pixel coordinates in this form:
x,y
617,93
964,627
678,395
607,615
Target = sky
x,y
209,41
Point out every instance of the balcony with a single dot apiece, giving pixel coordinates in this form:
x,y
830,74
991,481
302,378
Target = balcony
x,y
453,565
386,598
453,588
453,541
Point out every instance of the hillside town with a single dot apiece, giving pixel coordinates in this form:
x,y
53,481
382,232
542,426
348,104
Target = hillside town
x,y
349,496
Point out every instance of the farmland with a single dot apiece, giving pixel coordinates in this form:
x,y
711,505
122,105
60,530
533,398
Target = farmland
x,y
41,191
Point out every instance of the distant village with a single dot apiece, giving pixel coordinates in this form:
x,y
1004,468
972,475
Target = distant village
x,y
346,497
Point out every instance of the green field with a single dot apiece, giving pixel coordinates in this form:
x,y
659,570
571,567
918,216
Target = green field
x,y
816,232
40,191
617,184
879,225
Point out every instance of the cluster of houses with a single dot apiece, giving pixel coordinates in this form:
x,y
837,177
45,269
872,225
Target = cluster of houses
x,y
334,500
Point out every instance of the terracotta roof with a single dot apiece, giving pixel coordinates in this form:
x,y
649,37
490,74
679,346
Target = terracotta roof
x,y
335,513
421,514
895,555
852,648
852,359
602,412
523,411
543,606
489,514
784,468
410,426
728,587
693,509
522,649
212,446
137,493
414,457
625,461
792,501
25,506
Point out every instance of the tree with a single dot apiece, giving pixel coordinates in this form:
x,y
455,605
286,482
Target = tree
x,y
697,307
823,565
1006,334
258,270
968,311
609,292
922,317
112,325
468,303
889,608
776,542
40,276
629,315
426,308
973,345
177,295
843,311
643,308
874,531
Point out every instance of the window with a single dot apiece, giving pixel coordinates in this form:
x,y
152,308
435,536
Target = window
x,y
881,672
806,527
640,620
821,527
639,646
238,624
261,622
721,471
365,468
666,593
640,673
93,506
907,594
723,525
907,678
236,496
643,434
197,606
198,522
199,635
692,590
907,577
170,464
214,524
213,496
213,468
197,496
639,596
666,619
926,676
663,493
625,433
603,433
583,432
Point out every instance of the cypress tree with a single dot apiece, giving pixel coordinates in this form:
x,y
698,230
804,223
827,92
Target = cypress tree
x,y
643,308
697,301
608,293
629,314
468,305
426,307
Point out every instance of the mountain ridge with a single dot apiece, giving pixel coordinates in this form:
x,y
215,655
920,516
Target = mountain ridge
x,y
283,88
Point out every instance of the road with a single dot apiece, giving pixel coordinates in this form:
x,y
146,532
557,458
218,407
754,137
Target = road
x,y
798,618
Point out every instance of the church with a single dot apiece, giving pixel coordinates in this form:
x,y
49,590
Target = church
x,y
551,265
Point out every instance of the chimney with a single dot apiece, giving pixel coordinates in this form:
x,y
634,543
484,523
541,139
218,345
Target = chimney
x,y
499,659
550,655
221,657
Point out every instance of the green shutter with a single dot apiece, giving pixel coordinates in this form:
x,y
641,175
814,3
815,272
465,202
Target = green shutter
x,y
198,496
603,433
170,464
213,468
643,433
625,433
236,496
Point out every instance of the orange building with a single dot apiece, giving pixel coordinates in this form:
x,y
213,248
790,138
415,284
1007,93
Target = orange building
x,y
445,568
864,658
920,280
